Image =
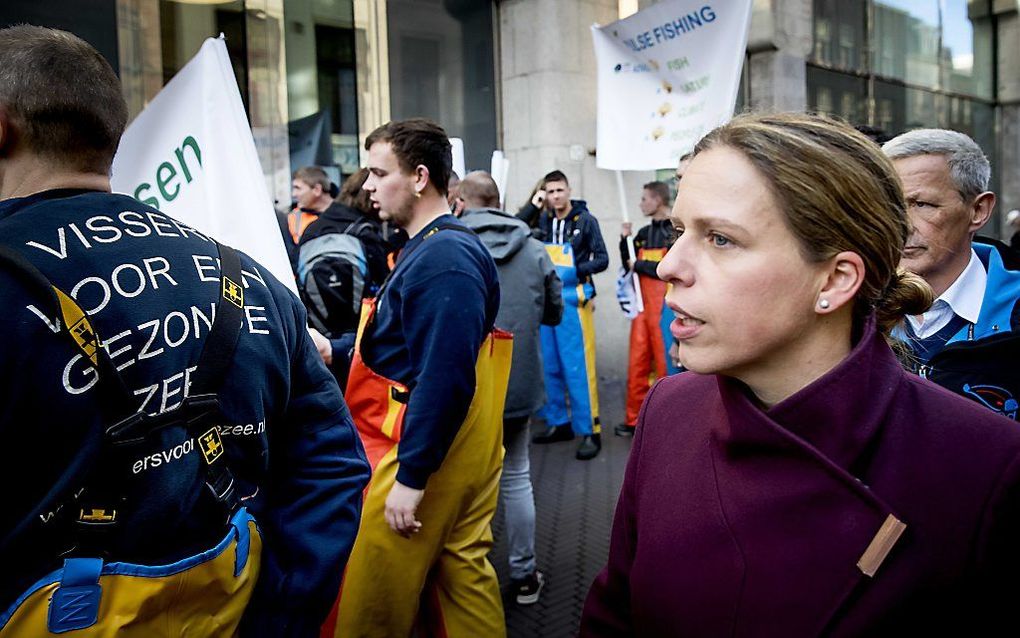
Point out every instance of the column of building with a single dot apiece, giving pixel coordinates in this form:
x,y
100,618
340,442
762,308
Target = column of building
x,y
1008,83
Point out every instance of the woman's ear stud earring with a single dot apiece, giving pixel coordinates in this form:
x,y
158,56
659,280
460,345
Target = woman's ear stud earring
x,y
823,304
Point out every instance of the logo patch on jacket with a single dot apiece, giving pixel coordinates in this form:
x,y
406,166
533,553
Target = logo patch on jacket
x,y
212,446
86,337
233,292
993,397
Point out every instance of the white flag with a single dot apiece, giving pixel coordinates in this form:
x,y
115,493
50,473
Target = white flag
x,y
191,154
666,76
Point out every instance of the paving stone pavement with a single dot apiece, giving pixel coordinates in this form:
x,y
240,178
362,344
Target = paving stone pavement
x,y
574,505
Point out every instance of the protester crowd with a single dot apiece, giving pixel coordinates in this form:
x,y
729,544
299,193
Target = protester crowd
x,y
821,388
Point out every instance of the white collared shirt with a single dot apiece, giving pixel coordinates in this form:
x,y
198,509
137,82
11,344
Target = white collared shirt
x,y
963,298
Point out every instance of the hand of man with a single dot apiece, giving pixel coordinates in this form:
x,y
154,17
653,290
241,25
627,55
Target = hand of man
x,y
539,199
401,503
323,345
625,229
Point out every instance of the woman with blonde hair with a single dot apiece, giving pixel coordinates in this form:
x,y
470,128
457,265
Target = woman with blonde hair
x,y
798,481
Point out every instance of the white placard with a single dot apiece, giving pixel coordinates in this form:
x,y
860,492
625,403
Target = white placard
x,y
499,169
191,154
458,156
666,76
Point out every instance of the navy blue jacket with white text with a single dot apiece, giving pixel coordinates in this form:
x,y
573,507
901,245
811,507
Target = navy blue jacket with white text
x,y
149,285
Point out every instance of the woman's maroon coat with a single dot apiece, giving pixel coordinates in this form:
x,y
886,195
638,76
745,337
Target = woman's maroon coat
x,y
735,521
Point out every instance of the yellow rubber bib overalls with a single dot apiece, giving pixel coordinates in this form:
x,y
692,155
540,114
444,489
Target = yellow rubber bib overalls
x,y
439,580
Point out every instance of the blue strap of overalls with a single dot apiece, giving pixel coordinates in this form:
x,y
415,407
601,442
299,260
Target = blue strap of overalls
x,y
75,604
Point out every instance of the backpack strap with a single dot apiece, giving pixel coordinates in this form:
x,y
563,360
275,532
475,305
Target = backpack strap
x,y
358,226
213,364
218,351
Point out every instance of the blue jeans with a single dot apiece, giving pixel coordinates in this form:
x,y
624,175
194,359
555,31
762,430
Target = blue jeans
x,y
518,500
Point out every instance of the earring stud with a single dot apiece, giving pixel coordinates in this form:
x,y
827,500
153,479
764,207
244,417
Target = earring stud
x,y
823,304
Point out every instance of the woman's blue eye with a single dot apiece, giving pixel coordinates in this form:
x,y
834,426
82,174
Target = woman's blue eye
x,y
719,240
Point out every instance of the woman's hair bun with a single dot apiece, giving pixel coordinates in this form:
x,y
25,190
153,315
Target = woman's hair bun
x,y
906,294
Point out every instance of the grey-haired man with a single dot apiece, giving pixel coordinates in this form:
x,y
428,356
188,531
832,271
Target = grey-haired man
x,y
969,340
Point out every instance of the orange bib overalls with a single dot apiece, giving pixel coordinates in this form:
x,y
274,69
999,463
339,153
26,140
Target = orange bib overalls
x,y
649,339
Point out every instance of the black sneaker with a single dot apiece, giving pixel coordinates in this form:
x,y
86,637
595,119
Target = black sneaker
x,y
527,589
623,430
589,448
554,434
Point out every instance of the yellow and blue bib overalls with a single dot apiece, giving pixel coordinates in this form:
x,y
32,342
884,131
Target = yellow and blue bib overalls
x,y
568,352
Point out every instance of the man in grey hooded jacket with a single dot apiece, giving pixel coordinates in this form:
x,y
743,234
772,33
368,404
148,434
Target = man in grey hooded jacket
x,y
530,295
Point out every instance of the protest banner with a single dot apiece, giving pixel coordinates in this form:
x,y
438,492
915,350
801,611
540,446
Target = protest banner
x,y
666,76
191,154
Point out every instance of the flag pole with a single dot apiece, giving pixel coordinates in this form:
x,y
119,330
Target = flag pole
x,y
630,240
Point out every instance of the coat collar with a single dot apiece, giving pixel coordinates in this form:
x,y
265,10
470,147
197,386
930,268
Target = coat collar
x,y
835,416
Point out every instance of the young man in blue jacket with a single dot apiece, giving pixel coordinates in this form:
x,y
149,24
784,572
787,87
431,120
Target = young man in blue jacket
x,y
149,286
427,396
574,243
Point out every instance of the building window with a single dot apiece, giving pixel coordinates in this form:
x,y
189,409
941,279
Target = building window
x,y
912,64
839,34
185,27
322,87
907,34
442,66
837,94
967,48
931,63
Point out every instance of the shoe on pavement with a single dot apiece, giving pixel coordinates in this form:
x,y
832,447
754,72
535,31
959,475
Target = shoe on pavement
x,y
589,448
554,434
527,589
624,430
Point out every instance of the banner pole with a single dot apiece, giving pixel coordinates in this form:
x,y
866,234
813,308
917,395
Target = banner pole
x,y
623,196
630,240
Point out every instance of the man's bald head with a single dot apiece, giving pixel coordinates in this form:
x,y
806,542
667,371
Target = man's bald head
x,y
479,190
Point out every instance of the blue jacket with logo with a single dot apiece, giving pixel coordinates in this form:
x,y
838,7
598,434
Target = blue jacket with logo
x,y
982,360
149,285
